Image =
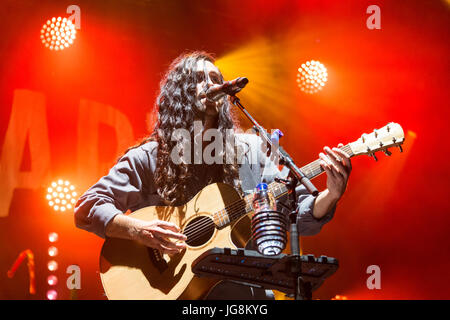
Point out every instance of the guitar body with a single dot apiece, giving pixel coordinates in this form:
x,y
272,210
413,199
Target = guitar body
x,y
132,271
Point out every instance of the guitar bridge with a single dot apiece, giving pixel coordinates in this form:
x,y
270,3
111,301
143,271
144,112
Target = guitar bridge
x,y
157,259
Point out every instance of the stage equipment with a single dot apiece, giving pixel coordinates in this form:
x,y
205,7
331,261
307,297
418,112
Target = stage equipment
x,y
53,237
30,256
61,195
217,91
58,33
295,176
52,265
52,294
312,76
272,272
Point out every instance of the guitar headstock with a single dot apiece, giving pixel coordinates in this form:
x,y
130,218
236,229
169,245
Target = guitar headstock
x,y
391,135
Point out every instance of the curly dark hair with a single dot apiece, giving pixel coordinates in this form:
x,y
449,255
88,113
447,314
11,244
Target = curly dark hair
x,y
177,107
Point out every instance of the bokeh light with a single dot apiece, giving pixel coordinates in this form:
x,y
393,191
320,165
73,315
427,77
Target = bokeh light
x,y
52,265
52,280
52,251
58,33
52,295
53,237
61,195
339,297
312,76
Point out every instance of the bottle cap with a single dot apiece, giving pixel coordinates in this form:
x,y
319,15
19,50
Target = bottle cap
x,y
261,186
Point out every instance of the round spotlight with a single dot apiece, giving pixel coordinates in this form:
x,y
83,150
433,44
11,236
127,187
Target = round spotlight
x,y
58,33
52,251
52,265
61,195
53,237
312,76
52,295
52,280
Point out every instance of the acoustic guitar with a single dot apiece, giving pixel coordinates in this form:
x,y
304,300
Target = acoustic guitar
x,y
216,217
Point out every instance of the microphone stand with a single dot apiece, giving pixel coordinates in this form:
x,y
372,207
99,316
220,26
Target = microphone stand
x,y
302,289
285,158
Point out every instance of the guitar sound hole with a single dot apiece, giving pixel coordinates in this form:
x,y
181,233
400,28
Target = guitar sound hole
x,y
199,230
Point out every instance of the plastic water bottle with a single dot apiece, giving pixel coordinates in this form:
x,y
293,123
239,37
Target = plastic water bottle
x,y
269,226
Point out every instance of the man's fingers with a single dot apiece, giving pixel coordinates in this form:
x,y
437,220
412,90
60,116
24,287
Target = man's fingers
x,y
170,234
333,156
168,225
165,244
326,164
327,169
168,250
337,161
333,164
345,158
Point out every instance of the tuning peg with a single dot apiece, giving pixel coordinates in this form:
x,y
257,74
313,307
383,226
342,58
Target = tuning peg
x,y
363,138
387,152
374,156
401,149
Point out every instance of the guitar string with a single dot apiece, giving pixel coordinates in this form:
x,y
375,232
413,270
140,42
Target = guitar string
x,y
236,206
241,204
233,208
199,230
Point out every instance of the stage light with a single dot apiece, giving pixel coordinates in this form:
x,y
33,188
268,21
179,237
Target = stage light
x,y
311,76
52,265
58,33
339,297
31,271
61,195
52,295
53,237
52,251
52,280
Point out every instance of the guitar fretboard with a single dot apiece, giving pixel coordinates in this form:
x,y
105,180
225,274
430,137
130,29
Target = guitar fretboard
x,y
244,206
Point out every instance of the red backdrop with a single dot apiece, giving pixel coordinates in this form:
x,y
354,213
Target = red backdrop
x,y
395,213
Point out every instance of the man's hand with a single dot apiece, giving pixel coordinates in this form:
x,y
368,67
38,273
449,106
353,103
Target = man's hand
x,y
337,166
160,235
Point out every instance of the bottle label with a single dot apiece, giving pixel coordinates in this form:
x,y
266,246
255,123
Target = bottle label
x,y
261,186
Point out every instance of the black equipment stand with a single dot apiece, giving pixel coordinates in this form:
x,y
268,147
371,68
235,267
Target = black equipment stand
x,y
269,272
285,158
295,176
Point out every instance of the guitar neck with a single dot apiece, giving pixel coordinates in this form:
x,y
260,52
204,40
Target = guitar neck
x,y
314,168
234,212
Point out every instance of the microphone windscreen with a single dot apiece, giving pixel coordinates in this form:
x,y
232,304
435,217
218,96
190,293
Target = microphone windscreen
x,y
242,82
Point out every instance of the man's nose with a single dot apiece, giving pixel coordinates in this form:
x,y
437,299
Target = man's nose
x,y
209,82
207,85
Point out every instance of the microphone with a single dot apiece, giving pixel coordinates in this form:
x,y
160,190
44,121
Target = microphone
x,y
230,88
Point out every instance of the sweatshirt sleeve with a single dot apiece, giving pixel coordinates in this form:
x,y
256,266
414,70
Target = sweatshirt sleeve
x,y
121,189
307,224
